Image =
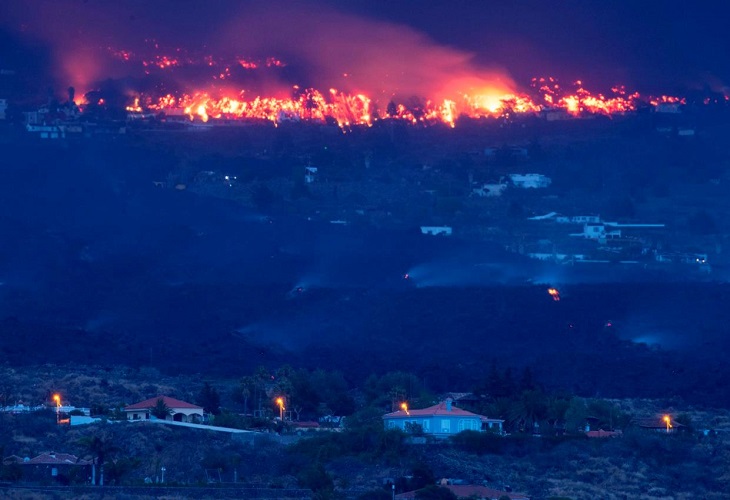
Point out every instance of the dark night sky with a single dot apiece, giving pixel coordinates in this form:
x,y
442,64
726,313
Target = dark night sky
x,y
651,45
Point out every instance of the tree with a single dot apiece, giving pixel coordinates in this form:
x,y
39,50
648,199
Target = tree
x,y
529,409
100,446
414,428
209,399
121,467
160,409
246,388
316,478
422,476
434,492
380,494
575,415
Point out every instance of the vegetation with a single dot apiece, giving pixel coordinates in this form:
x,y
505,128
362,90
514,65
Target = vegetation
x,y
562,462
160,409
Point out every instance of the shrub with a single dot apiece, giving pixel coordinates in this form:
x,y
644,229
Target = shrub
x,y
316,478
433,492
479,443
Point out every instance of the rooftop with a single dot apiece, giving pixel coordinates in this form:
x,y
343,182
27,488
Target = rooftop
x,y
171,403
441,409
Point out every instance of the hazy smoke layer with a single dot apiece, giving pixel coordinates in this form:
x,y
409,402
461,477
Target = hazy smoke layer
x,y
323,48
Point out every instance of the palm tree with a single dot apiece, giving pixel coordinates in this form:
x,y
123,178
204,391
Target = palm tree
x,y
247,386
529,409
100,446
160,409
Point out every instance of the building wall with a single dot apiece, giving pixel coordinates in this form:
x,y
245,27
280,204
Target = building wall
x,y
178,414
138,415
437,425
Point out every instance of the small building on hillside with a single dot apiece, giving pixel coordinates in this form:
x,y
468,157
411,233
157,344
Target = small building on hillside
x,y
472,492
489,190
441,420
310,174
180,411
530,181
664,424
598,233
436,230
62,468
600,433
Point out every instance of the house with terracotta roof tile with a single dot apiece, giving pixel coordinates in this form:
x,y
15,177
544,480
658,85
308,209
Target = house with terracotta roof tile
x,y
441,420
63,468
600,433
472,492
180,411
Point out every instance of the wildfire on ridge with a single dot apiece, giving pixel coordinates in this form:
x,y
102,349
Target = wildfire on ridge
x,y
359,109
346,109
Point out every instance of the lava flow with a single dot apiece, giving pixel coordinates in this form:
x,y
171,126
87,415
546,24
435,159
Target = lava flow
x,y
359,109
220,88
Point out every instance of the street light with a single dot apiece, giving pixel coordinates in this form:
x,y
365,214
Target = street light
x,y
162,469
57,399
280,402
404,407
668,421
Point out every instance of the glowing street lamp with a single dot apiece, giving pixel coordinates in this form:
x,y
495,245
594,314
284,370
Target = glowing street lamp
x,y
404,407
57,399
668,421
280,403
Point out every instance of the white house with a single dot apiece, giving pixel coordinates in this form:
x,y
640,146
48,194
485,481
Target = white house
x,y
578,219
47,131
668,107
436,230
310,174
180,411
489,190
441,420
530,181
598,232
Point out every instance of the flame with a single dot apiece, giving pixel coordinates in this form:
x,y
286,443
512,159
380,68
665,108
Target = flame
x,y
554,293
134,107
354,109
475,96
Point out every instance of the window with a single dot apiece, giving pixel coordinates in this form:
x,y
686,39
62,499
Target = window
x,y
445,425
467,424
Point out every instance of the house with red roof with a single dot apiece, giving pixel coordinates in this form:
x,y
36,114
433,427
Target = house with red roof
x,y
441,420
63,468
472,492
180,411
600,433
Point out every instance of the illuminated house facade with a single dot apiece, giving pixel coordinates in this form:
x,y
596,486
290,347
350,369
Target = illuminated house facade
x,y
441,420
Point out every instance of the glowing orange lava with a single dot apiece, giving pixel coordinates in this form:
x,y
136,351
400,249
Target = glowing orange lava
x,y
484,99
348,110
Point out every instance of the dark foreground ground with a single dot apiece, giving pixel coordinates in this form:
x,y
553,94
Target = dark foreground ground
x,y
98,266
